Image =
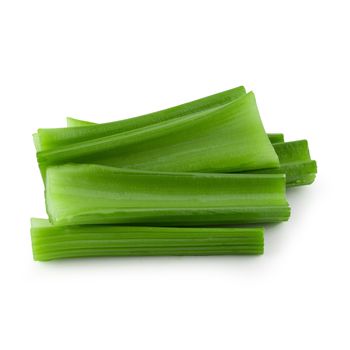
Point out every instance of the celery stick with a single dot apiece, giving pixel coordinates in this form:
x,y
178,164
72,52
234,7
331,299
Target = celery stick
x,y
94,194
52,138
229,138
295,162
73,122
56,242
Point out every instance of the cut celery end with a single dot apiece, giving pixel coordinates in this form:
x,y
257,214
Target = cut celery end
x,y
276,138
228,139
297,174
52,138
295,162
307,179
55,242
93,194
292,151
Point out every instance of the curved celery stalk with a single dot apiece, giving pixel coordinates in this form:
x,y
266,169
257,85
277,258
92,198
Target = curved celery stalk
x,y
229,138
73,123
51,138
93,194
294,158
54,242
295,162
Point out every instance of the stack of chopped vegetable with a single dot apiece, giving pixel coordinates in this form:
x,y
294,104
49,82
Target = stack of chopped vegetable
x,y
173,182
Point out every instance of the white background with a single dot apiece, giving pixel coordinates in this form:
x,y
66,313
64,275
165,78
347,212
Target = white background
x,y
104,60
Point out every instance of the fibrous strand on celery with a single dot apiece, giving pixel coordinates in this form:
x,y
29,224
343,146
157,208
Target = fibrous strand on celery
x,y
73,123
230,138
54,242
93,194
51,138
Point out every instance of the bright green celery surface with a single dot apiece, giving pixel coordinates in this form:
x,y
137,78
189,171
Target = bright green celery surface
x,y
57,242
52,138
295,162
229,138
94,194
73,122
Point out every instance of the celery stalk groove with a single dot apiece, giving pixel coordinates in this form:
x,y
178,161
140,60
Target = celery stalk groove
x,y
73,122
228,139
57,137
57,242
93,194
294,157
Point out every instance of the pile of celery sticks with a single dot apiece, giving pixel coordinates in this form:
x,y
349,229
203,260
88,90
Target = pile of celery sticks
x,y
173,182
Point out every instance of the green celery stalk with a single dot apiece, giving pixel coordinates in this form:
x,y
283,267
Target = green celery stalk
x,y
295,162
73,122
57,242
52,138
229,138
93,194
